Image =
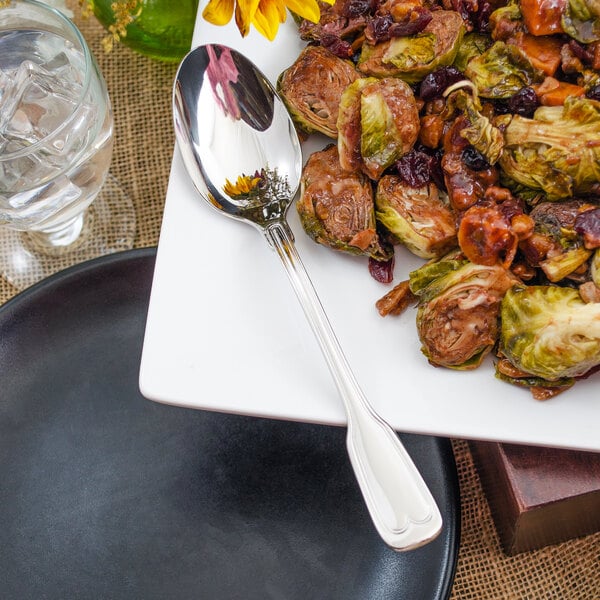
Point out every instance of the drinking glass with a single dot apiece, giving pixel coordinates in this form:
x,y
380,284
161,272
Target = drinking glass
x,y
57,204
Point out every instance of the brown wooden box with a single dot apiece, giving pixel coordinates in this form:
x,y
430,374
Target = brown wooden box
x,y
539,496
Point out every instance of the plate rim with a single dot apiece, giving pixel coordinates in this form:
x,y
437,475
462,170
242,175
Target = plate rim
x,y
75,274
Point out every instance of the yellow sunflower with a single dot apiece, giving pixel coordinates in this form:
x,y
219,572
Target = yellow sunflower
x,y
243,187
265,15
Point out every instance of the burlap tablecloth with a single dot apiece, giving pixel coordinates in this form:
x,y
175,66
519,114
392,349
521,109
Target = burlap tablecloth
x,y
141,94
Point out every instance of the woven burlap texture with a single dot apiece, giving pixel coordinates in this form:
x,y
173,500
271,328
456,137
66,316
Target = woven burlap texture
x,y
141,94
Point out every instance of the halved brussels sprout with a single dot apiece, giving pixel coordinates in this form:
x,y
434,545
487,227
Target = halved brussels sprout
x,y
416,217
550,332
389,124
541,389
336,207
348,125
457,317
311,89
555,245
473,44
556,152
377,124
486,138
413,57
501,71
506,20
581,20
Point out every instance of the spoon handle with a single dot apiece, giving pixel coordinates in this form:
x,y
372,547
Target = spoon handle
x,y
400,504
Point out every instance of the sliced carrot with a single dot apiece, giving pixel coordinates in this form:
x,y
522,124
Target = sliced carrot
x,y
558,95
542,51
542,17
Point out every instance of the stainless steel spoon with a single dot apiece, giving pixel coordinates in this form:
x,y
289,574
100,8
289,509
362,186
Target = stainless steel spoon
x,y
242,153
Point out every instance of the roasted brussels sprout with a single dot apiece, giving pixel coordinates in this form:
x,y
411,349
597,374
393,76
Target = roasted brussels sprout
x,y
501,71
349,125
541,389
505,21
459,304
336,207
473,44
416,217
413,57
479,130
312,87
556,152
549,332
581,20
378,123
555,246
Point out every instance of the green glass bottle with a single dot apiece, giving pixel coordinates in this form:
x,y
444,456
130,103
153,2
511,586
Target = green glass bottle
x,y
160,29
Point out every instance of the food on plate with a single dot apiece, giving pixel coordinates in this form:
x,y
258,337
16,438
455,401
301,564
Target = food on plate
x,y
556,152
459,304
413,56
469,133
501,71
336,207
550,333
418,217
378,123
311,89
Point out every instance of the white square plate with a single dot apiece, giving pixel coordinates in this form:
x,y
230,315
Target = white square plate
x,y
226,333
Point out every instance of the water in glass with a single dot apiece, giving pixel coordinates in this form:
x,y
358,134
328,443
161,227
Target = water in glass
x,y
55,134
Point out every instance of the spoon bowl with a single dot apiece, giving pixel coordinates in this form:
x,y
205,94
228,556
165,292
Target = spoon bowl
x,y
241,150
231,124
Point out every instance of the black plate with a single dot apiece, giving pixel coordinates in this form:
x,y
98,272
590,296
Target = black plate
x,y
105,494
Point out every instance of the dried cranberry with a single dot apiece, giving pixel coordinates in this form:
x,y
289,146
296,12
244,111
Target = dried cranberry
x,y
587,224
357,8
383,27
378,27
475,13
483,16
594,93
462,8
474,160
437,173
414,22
415,168
434,84
523,103
336,45
382,270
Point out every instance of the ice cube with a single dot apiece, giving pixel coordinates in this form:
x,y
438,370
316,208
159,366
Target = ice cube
x,y
72,139
43,104
9,98
56,63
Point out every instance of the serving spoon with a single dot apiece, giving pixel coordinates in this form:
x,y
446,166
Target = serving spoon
x,y
242,153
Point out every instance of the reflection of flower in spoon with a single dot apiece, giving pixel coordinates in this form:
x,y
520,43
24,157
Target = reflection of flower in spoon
x,y
266,192
265,15
243,187
222,72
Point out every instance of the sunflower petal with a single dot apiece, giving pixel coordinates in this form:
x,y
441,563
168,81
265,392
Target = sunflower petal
x,y
281,7
267,18
307,9
244,14
218,12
